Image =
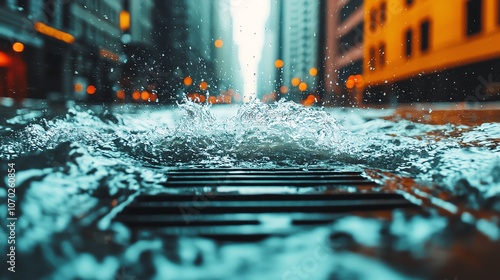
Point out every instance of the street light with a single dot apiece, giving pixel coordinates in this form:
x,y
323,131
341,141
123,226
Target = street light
x,y
219,43
91,89
124,20
188,81
203,85
18,47
303,86
313,72
279,63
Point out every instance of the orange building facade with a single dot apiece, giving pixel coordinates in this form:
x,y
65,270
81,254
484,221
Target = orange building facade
x,y
425,50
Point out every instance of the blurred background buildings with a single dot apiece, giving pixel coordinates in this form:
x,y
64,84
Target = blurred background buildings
x,y
332,52
116,50
383,51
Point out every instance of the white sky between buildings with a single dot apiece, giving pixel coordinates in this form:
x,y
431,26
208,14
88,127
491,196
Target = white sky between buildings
x,y
249,20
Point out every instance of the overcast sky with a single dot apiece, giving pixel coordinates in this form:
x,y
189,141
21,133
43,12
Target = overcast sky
x,y
249,19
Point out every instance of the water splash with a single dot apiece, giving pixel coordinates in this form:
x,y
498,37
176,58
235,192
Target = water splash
x,y
67,164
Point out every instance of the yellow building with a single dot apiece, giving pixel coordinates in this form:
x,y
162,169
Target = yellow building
x,y
428,50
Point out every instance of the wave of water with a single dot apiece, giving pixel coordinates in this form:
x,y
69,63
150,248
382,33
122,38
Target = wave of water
x,y
254,135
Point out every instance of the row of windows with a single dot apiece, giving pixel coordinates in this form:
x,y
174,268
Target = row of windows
x,y
378,16
425,27
373,61
50,10
351,39
475,15
474,9
95,35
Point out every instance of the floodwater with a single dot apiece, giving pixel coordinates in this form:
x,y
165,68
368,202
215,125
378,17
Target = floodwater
x,y
66,160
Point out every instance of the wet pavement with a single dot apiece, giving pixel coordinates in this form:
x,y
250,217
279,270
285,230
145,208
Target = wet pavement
x,y
78,168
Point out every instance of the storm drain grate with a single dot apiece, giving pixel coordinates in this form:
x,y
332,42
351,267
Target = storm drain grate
x,y
219,212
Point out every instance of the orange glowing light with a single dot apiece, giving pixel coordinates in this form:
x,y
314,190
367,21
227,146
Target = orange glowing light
x,y
195,97
91,89
18,47
153,97
188,81
358,81
219,43
203,85
144,95
350,82
295,82
283,89
124,20
202,98
310,100
279,63
120,94
212,100
54,33
78,87
4,59
313,72
136,95
302,86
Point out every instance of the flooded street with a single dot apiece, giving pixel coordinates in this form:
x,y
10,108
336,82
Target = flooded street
x,y
73,165
249,139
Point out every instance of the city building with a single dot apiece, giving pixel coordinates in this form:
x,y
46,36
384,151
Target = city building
x,y
299,47
343,53
98,53
416,52
141,62
225,53
197,52
35,49
268,72
61,50
296,24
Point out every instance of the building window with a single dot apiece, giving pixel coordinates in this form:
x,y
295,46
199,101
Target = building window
x,y
382,55
371,62
373,19
424,35
49,9
351,39
408,42
66,14
348,9
498,12
474,8
383,12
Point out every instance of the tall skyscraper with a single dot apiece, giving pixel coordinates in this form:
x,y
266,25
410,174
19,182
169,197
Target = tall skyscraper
x,y
296,25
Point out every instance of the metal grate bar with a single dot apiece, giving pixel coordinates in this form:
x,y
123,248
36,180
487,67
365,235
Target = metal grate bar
x,y
228,214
